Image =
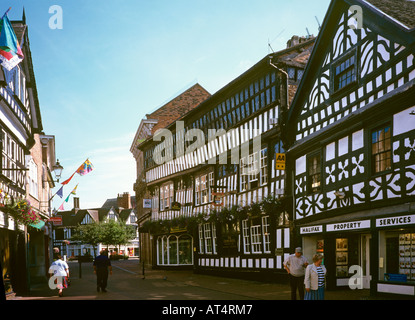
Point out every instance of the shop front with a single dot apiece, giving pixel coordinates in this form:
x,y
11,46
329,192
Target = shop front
x,y
174,250
378,251
396,236
343,245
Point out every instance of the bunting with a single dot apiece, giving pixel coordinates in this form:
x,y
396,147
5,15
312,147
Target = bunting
x,y
84,169
10,51
61,208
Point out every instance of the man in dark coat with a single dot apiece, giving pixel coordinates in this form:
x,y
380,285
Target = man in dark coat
x,y
101,266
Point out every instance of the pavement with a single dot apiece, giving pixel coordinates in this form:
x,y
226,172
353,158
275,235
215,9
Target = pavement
x,y
128,283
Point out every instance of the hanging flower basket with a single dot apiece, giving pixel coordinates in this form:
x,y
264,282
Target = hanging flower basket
x,y
21,211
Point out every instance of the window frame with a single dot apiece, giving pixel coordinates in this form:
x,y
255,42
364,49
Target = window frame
x,y
334,76
377,129
310,175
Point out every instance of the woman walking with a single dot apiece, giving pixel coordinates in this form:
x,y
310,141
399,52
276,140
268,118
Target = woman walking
x,y
315,279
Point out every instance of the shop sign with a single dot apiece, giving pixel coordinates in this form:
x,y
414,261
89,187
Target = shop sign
x,y
395,221
147,203
176,206
57,221
312,229
344,226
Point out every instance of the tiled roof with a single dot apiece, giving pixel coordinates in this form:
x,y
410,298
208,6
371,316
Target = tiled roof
x,y
401,10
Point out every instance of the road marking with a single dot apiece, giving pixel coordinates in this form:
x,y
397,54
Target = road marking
x,y
125,270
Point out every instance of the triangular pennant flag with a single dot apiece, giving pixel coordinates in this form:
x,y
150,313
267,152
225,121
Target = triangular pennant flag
x,y
67,181
60,192
74,190
61,208
10,51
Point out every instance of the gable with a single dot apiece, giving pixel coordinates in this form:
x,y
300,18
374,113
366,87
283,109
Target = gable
x,y
378,60
87,219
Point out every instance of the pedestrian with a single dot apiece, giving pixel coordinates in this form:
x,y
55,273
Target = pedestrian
x,y
60,270
101,266
295,265
315,279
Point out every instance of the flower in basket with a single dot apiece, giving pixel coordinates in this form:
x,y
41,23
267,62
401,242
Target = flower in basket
x,y
22,211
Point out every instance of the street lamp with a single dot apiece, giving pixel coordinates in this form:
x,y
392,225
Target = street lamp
x,y
57,169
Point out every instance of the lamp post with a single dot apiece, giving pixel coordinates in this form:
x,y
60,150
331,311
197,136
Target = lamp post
x,y
57,170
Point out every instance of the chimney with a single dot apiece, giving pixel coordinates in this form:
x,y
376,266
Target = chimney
x,y
76,203
295,40
124,200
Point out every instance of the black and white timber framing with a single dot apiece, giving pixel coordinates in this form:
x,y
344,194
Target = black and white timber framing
x,y
352,145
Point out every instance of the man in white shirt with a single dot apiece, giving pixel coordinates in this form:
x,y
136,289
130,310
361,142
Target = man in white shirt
x,y
295,265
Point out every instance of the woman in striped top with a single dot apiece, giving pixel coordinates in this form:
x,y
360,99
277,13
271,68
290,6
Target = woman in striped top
x,y
315,279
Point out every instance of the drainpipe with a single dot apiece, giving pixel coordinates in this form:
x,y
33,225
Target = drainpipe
x,y
286,77
286,109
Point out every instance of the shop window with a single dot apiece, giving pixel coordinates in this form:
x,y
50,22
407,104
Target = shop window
x,y
381,150
400,257
342,257
175,250
185,250
172,250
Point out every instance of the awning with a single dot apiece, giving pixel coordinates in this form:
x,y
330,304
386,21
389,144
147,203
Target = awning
x,y
40,225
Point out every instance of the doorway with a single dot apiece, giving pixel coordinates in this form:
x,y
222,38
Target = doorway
x,y
365,260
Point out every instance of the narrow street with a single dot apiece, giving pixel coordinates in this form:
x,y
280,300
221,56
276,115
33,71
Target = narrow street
x,y
127,283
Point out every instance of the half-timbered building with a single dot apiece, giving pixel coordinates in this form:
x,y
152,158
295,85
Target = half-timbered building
x,y
352,146
20,120
234,167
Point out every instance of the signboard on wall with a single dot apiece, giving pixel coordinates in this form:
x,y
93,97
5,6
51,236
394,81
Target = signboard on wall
x,y
280,161
147,203
57,221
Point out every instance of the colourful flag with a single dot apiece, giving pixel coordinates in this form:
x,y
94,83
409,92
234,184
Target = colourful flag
x,y
85,168
60,192
10,51
67,181
61,208
74,190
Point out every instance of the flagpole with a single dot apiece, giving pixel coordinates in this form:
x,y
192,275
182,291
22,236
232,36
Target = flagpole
x,y
6,12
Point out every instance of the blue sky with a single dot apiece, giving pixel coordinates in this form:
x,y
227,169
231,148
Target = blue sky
x,y
115,61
